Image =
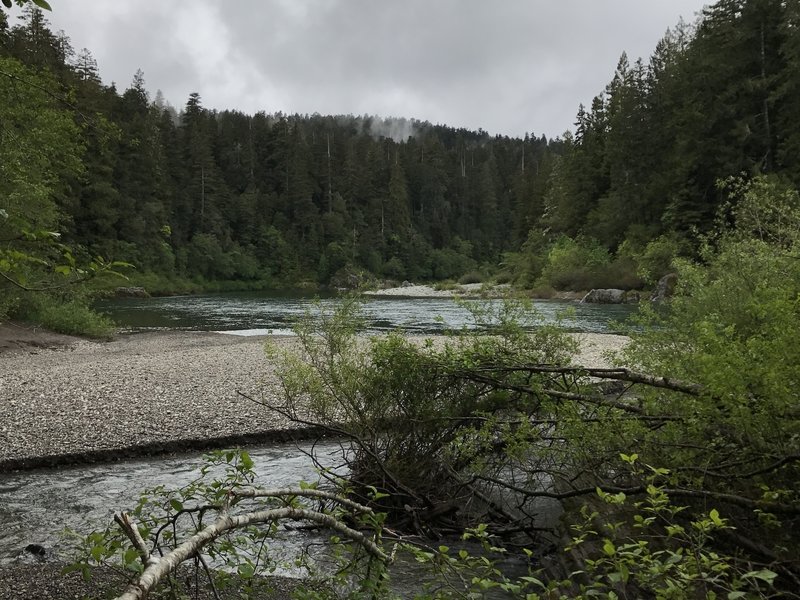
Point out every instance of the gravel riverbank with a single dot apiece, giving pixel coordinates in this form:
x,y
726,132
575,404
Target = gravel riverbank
x,y
143,390
150,391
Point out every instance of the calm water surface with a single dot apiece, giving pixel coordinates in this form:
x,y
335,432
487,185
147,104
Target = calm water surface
x,y
256,313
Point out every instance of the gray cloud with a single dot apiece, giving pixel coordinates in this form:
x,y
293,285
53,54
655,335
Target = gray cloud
x,y
508,67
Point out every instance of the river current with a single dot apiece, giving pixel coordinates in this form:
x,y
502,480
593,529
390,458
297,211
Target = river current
x,y
259,313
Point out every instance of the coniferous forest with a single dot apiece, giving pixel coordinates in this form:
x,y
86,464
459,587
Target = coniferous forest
x,y
279,200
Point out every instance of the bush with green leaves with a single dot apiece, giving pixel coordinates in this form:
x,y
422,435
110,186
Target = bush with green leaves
x,y
404,404
576,264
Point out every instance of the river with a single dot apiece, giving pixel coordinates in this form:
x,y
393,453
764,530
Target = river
x,y
38,505
259,313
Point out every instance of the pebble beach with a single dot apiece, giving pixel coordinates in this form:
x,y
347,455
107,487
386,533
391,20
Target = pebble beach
x,y
149,391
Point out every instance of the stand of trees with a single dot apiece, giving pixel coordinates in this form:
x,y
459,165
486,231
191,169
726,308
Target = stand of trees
x,y
278,199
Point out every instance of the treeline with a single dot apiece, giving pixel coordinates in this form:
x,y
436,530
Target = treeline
x,y
640,177
273,197
279,199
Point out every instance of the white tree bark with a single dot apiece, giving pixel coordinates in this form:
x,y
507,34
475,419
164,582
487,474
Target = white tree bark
x,y
158,568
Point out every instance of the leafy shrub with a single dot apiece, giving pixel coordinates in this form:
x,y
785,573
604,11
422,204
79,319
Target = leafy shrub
x,y
471,277
72,316
576,264
656,260
448,263
394,269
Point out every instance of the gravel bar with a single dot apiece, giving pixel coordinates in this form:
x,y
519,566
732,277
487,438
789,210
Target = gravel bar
x,y
150,393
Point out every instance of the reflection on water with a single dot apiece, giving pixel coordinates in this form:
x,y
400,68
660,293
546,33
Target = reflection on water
x,y
254,313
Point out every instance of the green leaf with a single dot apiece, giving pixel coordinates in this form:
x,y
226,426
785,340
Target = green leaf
x,y
246,571
763,575
98,552
42,4
176,505
609,548
130,560
247,462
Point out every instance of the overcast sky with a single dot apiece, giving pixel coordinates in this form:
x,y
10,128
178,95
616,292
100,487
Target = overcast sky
x,y
507,66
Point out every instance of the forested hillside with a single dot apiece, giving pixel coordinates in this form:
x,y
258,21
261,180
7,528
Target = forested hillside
x,y
278,199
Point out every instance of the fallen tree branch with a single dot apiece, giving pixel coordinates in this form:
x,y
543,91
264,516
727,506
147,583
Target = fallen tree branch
x,y
129,528
618,374
158,568
251,492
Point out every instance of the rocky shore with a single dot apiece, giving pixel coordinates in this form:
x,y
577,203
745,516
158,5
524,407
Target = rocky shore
x,y
137,394
80,400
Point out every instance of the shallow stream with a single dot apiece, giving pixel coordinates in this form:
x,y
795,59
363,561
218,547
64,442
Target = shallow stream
x,y
36,506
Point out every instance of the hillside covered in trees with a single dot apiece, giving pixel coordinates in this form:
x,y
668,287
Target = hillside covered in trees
x,y
276,199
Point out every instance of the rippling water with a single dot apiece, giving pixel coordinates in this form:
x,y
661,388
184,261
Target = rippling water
x,y
259,313
35,506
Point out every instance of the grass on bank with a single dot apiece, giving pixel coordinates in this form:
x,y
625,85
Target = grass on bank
x,y
69,316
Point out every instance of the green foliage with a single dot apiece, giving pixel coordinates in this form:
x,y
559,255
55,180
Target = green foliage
x,y
657,553
575,264
450,263
412,388
525,266
39,148
656,260
40,3
731,329
471,277
62,313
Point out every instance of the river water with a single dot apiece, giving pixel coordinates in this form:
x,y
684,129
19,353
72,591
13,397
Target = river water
x,y
258,313
36,506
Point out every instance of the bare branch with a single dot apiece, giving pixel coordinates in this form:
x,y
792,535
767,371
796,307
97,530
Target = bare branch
x,y
129,528
157,569
618,374
248,492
